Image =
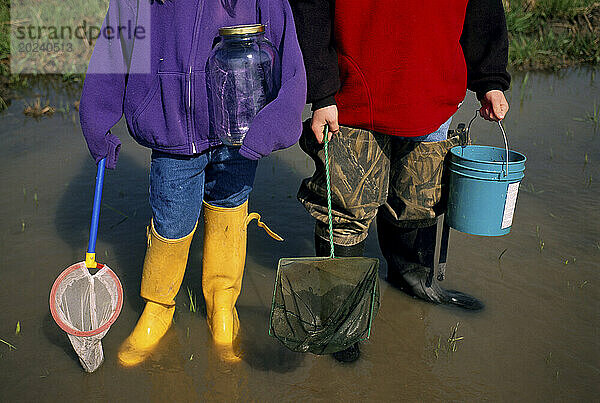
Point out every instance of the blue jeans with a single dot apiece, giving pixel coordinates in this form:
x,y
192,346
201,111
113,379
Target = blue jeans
x,y
178,184
440,134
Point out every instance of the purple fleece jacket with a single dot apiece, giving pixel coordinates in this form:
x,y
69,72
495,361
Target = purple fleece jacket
x,y
156,77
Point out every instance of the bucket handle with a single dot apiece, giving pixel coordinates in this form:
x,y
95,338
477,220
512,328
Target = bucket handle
x,y
504,172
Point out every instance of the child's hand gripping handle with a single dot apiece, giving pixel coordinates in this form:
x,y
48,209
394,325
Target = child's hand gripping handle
x,y
90,256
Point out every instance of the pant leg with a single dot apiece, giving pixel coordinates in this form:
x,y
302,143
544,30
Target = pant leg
x,y
229,177
176,188
417,190
359,175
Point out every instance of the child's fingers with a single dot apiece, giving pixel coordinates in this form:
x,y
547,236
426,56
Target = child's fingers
x,y
318,131
484,111
334,127
499,110
318,136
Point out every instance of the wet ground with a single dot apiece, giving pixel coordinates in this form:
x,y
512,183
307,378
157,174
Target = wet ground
x,y
537,339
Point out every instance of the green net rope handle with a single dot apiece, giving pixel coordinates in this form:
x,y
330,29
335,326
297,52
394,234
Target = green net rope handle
x,y
329,214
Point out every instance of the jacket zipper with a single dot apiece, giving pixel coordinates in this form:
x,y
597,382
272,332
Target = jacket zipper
x,y
190,90
191,59
190,108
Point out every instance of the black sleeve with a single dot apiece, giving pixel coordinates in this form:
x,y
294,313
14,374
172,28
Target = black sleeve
x,y
314,26
484,42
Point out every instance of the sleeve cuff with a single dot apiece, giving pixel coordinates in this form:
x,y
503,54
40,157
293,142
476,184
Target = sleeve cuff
x,y
481,93
324,102
113,145
482,88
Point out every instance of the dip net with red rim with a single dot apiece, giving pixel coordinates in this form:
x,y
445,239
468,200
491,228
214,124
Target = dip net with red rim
x,y
85,305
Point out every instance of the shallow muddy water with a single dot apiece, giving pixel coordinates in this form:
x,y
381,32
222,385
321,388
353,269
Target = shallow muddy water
x,y
536,340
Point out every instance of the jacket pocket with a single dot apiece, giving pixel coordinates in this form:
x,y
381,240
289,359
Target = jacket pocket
x,y
161,118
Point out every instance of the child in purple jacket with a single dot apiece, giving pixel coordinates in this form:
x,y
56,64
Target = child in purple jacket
x,y
149,65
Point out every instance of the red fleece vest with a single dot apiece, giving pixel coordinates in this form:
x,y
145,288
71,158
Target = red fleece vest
x,y
401,64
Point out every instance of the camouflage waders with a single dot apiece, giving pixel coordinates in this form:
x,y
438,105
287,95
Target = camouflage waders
x,y
371,172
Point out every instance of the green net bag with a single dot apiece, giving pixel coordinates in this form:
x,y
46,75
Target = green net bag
x,y
324,305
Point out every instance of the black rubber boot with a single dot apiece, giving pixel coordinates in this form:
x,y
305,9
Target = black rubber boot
x,y
409,253
323,248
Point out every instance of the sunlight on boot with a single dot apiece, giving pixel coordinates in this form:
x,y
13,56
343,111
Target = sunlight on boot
x,y
224,327
151,327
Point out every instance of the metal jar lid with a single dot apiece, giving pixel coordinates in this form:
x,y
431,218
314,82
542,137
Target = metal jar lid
x,y
242,29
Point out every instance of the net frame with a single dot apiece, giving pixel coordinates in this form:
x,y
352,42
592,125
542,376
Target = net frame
x,y
65,326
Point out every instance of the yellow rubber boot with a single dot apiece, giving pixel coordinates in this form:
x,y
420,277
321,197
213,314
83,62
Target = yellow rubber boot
x,y
164,267
223,262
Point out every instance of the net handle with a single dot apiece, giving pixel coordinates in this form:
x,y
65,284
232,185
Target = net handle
x,y
329,213
90,256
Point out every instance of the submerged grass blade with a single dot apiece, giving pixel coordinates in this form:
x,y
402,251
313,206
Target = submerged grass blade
x,y
523,88
594,116
119,223
436,349
453,338
502,253
538,235
193,303
10,346
115,210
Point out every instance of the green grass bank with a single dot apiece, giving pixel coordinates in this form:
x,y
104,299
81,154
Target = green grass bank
x,y
552,34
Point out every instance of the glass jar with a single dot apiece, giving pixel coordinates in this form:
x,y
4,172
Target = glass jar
x,y
243,74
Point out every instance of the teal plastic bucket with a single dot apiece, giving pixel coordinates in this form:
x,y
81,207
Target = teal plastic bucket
x,y
483,189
